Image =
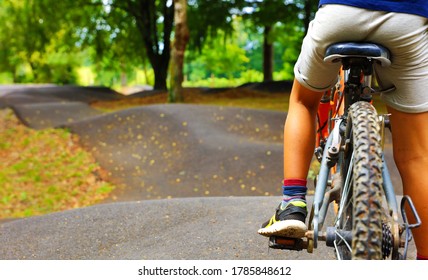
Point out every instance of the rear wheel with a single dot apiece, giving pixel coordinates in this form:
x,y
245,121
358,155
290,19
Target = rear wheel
x,y
359,219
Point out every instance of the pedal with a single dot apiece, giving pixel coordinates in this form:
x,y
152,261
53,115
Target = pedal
x,y
406,200
285,243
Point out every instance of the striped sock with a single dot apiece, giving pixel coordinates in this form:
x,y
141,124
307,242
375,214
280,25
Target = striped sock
x,y
294,192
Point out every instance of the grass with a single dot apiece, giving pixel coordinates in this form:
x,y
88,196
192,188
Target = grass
x,y
44,171
232,97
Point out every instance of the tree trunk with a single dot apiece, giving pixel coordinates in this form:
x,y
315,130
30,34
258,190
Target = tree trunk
x,y
160,69
157,49
177,51
14,77
308,14
267,56
123,76
146,75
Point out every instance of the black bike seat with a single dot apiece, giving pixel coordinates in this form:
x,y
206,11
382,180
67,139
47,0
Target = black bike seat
x,y
377,52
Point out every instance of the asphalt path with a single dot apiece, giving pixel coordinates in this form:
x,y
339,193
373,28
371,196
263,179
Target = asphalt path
x,y
195,182
183,228
223,228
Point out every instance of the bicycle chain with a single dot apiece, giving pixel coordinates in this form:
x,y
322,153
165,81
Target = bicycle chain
x,y
387,242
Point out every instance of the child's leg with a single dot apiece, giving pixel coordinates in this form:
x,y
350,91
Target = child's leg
x,y
299,144
410,145
299,131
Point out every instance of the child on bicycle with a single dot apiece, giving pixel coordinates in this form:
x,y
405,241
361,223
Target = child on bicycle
x,y
402,27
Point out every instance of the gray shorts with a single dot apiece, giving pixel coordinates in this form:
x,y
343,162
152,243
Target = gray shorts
x,y
405,35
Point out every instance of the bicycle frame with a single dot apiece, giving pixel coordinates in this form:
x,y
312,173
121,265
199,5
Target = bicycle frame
x,y
323,197
354,85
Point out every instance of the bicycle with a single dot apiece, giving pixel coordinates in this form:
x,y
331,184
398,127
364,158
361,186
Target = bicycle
x,y
353,176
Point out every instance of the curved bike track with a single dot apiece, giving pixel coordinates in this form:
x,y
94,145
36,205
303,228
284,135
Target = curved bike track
x,y
195,181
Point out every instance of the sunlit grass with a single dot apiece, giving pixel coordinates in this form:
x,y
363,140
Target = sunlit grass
x,y
232,97
44,171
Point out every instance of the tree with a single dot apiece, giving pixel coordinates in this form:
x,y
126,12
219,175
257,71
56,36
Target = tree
x,y
178,50
267,14
116,48
119,28
223,59
45,35
33,47
207,18
151,20
147,15
309,8
10,56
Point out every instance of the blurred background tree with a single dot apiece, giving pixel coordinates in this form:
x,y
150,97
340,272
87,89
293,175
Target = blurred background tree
x,y
121,43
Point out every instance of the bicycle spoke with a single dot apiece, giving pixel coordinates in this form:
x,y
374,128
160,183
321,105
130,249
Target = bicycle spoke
x,y
336,249
345,193
342,240
343,220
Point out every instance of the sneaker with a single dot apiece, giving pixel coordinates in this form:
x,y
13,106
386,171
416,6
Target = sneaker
x,y
287,222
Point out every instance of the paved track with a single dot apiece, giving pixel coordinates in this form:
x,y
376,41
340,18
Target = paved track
x,y
185,228
199,155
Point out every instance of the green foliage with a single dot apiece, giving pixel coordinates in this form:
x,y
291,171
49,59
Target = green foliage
x,y
44,40
113,45
50,41
270,12
223,60
291,42
33,48
247,76
207,18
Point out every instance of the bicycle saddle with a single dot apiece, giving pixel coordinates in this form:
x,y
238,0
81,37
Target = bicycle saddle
x,y
377,52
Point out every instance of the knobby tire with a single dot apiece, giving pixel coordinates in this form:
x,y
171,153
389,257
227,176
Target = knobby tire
x,y
362,215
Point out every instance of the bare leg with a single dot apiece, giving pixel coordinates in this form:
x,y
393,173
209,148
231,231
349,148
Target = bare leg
x,y
299,131
299,142
410,146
